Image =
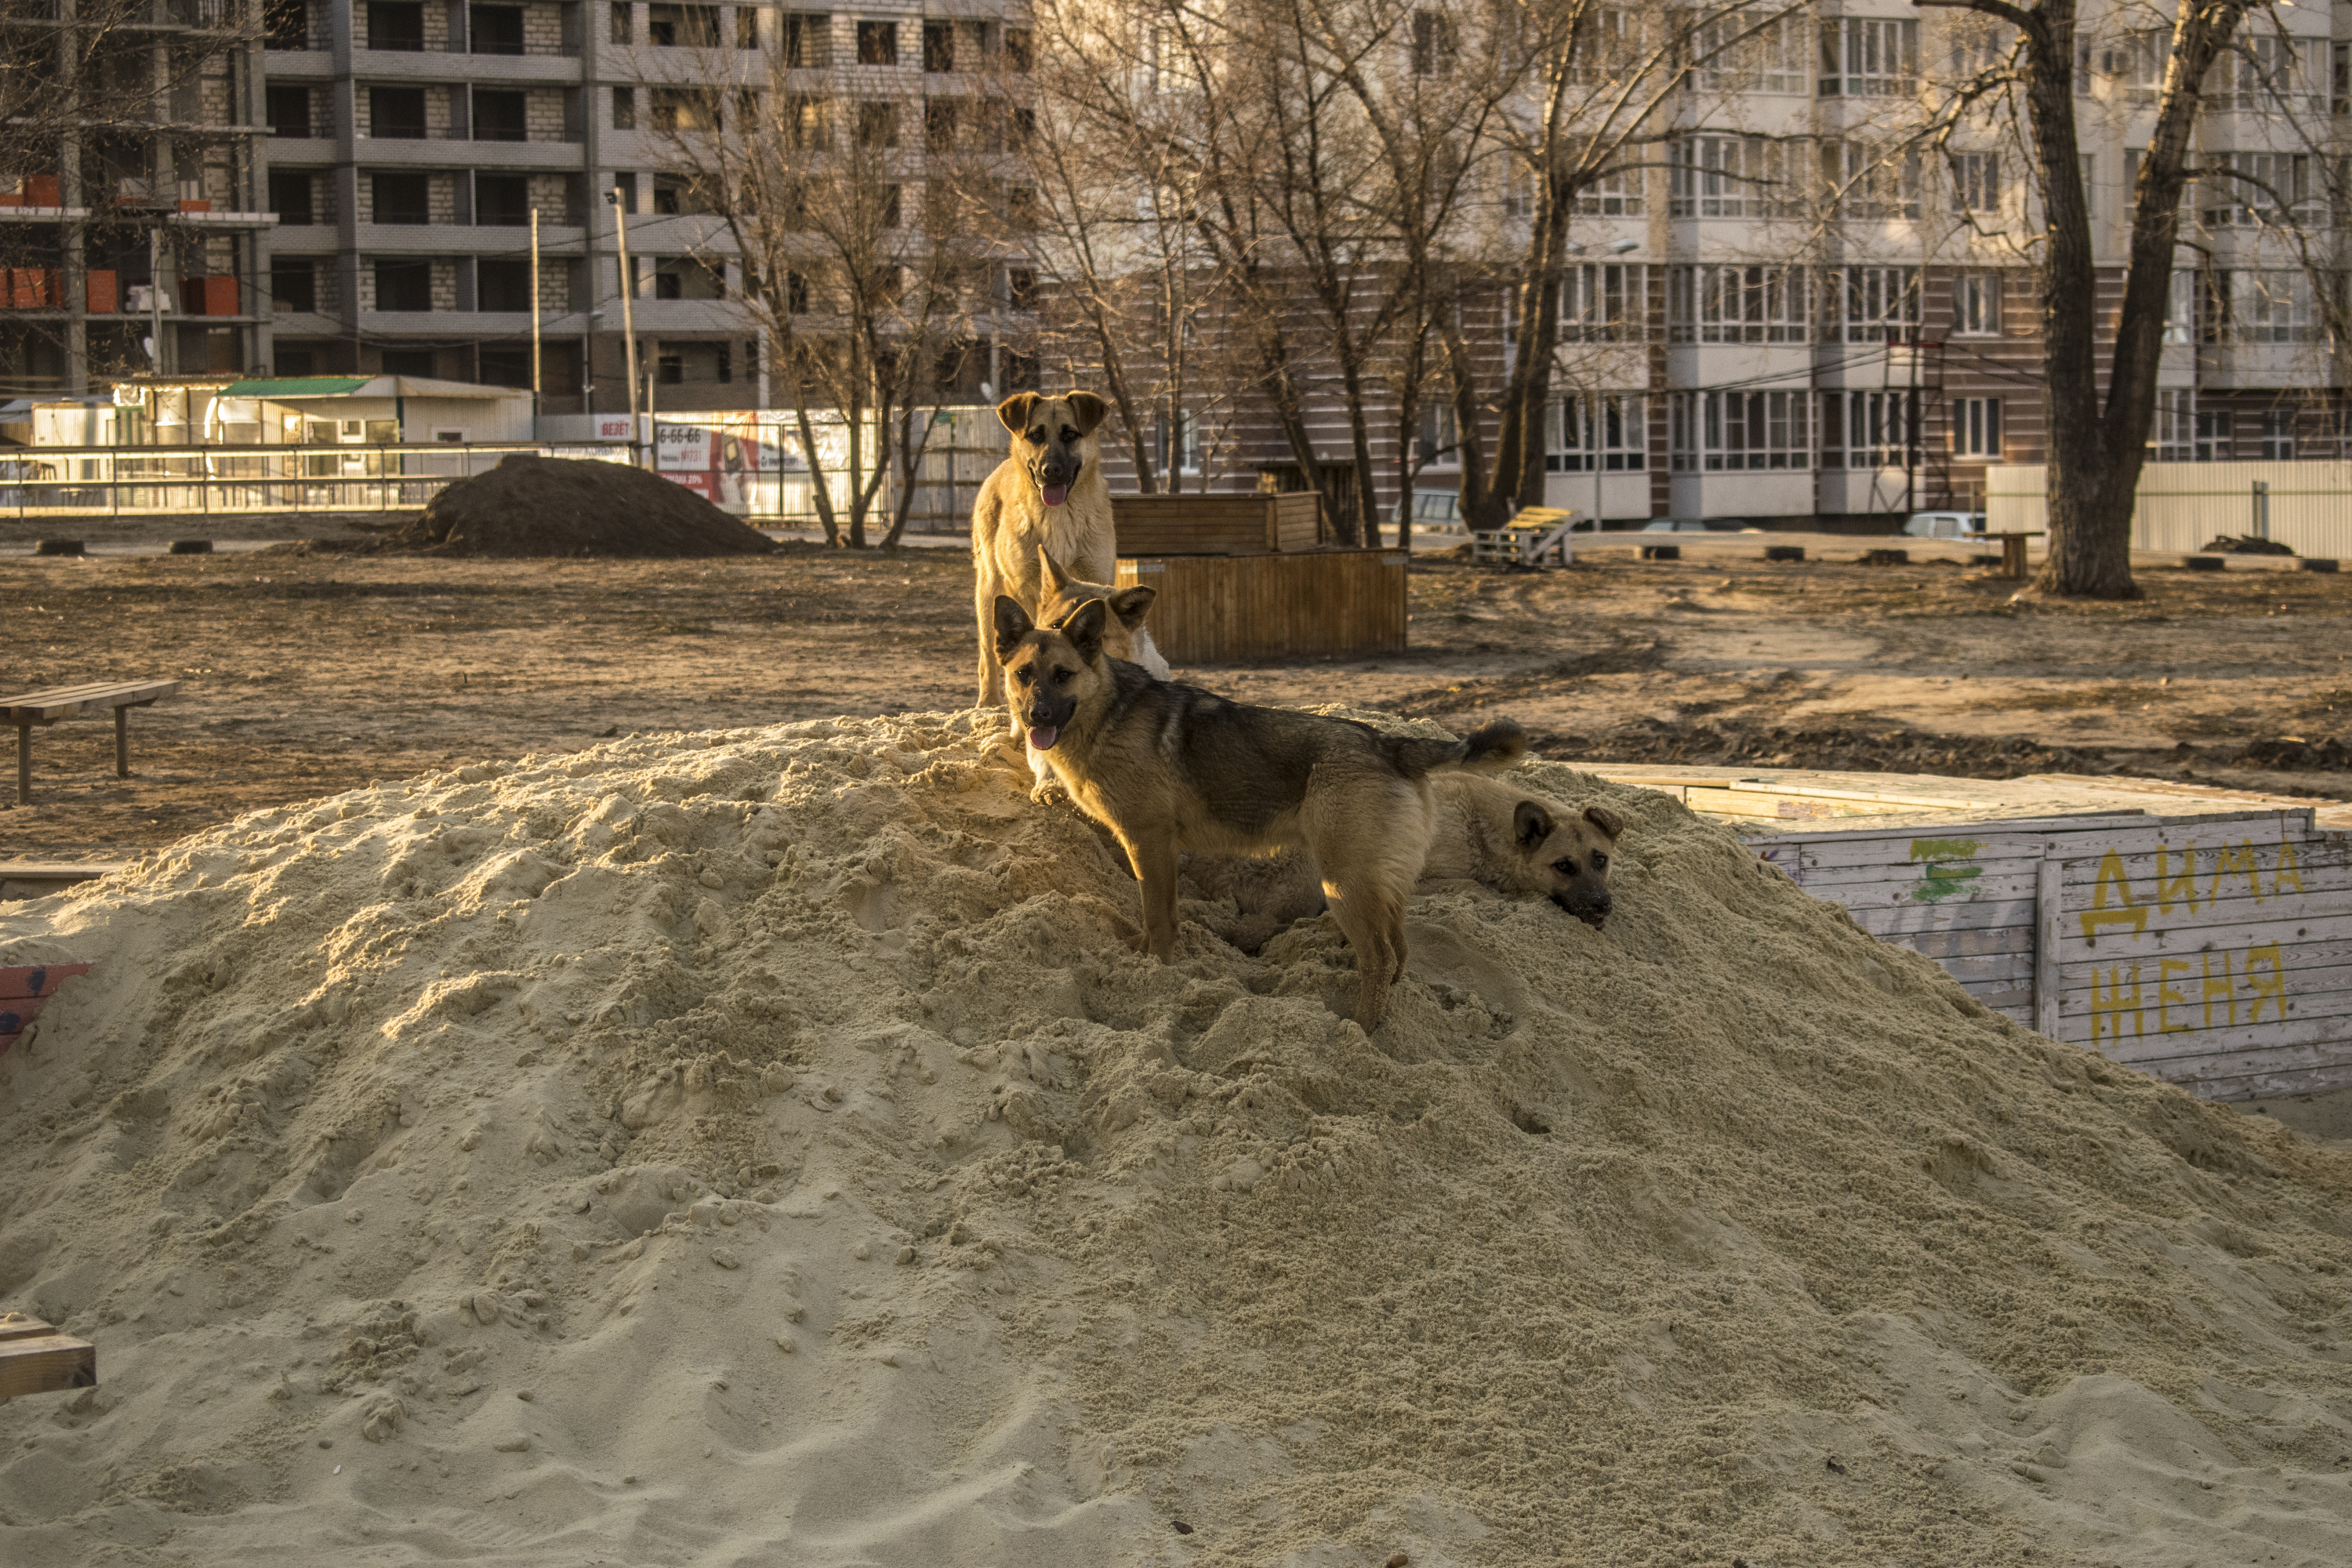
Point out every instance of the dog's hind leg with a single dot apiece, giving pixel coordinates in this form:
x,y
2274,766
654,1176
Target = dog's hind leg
x,y
1155,863
1372,918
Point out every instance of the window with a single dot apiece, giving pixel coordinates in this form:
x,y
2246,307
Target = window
x,y
625,109
1180,442
683,109
1603,302
285,26
1608,432
620,31
397,24
2214,443
796,293
2272,73
878,43
682,27
747,27
688,278
1016,54
2139,63
494,29
1771,58
2275,437
892,206
1976,305
938,124
2172,425
1720,431
804,40
1979,45
404,285
1867,57
2180,308
402,198
397,113
2090,185
1441,437
502,285
939,46
501,116
1728,176
1433,43
1870,429
1976,427
1020,288
801,123
502,201
294,283
1862,181
670,368
2269,306
878,124
679,194
2257,190
288,109
1612,193
290,196
295,363
1976,182
1739,305
1875,304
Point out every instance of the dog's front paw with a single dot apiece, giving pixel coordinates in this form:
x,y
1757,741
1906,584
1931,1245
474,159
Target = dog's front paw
x,y
1048,791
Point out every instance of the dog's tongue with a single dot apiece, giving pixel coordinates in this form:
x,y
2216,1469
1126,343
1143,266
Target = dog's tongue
x,y
1042,739
1056,494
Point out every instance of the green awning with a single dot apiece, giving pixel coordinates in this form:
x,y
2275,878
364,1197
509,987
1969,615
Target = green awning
x,y
296,386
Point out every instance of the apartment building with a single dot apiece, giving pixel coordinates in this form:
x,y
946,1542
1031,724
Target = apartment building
x,y
412,140
1787,309
132,238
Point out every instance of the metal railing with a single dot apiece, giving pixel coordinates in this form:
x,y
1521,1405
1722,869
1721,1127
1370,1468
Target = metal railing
x,y
231,482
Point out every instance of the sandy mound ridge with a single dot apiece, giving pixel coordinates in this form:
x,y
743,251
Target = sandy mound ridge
x,y
531,507
762,1147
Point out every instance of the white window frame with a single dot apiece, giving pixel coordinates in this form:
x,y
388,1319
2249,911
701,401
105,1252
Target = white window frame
x,y
1440,439
1976,427
1871,302
1869,57
1610,429
1745,431
2172,425
1876,426
1724,175
1739,305
1604,302
1976,182
1976,305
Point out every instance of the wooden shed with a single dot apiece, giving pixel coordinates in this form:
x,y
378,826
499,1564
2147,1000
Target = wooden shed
x,y
1324,603
2203,935
1218,525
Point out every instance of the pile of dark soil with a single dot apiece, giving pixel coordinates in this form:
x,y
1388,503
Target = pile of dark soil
x,y
2244,544
530,505
2293,754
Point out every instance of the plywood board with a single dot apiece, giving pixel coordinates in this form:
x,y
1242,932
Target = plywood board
x,y
1334,603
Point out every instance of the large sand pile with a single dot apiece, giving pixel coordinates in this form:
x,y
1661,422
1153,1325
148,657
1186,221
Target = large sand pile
x,y
762,1148
530,505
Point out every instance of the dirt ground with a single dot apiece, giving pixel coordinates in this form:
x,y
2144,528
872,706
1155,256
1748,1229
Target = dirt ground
x,y
308,673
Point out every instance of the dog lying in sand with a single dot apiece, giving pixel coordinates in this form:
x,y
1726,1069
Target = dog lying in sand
x,y
1046,501
1485,832
1168,767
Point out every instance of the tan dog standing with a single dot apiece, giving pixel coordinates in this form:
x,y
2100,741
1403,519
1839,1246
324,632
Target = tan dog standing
x,y
1169,768
1048,496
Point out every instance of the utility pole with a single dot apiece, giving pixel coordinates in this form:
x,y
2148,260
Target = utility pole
x,y
155,297
628,311
535,322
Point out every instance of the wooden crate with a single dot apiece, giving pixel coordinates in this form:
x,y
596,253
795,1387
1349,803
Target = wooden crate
x,y
1215,609
1217,525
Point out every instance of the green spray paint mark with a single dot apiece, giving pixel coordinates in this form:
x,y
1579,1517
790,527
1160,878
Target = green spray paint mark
x,y
1938,880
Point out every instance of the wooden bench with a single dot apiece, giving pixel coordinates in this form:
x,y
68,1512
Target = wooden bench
x,y
45,708
1534,534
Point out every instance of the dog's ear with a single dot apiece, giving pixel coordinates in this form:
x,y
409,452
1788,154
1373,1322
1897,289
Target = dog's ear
x,y
1012,624
1129,605
1608,821
1056,580
1015,411
1084,627
1091,410
1531,823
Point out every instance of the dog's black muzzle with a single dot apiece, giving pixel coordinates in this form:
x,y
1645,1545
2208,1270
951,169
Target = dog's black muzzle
x,y
1592,910
1049,713
1056,467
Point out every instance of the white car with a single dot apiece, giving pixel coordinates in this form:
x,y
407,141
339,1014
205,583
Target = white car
x,y
1945,525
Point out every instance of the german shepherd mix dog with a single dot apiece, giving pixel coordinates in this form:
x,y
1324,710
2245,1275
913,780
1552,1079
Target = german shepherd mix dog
x,y
1047,499
1508,840
1168,767
1124,636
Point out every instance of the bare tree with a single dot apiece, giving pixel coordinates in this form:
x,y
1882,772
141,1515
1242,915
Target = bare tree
x,y
2097,444
843,214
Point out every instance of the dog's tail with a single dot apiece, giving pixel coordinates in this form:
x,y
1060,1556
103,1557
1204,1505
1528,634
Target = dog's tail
x,y
1489,749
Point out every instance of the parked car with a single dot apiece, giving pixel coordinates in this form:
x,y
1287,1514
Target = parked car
x,y
1945,525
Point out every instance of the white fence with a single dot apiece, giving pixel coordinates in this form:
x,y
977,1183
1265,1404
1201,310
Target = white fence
x,y
2307,506
38,482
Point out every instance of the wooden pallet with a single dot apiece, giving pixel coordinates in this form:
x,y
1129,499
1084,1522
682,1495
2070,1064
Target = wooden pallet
x,y
37,1358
